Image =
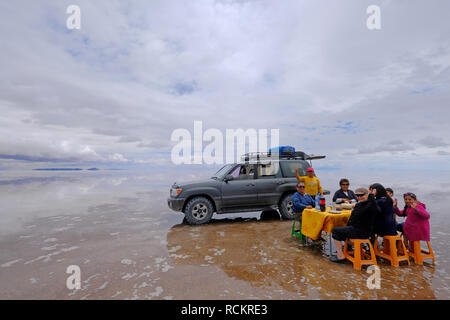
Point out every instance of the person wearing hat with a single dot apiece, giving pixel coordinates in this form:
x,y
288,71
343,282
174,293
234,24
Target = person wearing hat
x,y
312,183
359,226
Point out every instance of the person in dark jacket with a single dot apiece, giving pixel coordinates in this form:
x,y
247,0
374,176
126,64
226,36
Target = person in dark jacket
x,y
360,224
301,200
385,224
344,192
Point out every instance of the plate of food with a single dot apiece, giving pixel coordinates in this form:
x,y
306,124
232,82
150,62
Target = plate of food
x,y
347,206
334,211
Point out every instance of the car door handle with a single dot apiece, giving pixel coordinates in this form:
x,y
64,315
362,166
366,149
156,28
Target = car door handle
x,y
281,182
250,185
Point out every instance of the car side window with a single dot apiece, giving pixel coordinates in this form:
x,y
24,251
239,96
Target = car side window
x,y
268,170
245,172
235,172
289,168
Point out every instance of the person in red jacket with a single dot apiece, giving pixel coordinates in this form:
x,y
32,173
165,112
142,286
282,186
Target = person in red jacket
x,y
417,224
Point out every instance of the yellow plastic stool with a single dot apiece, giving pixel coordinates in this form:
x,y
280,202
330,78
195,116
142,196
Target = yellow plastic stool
x,y
393,249
359,255
418,254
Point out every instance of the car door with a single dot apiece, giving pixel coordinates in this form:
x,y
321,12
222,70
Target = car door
x,y
241,191
268,179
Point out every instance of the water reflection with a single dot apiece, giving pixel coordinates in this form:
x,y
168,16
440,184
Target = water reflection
x,y
268,215
262,253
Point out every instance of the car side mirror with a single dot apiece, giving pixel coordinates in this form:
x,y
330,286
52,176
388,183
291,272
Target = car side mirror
x,y
228,177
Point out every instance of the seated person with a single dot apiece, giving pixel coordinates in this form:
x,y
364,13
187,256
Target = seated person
x,y
390,193
417,224
360,224
243,172
344,192
385,224
301,200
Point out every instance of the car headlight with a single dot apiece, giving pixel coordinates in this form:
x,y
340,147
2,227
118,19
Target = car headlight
x,y
175,192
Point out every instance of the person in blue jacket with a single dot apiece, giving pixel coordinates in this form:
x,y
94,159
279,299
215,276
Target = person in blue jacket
x,y
301,200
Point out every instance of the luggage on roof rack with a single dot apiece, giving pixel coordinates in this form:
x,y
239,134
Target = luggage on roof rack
x,y
282,150
297,155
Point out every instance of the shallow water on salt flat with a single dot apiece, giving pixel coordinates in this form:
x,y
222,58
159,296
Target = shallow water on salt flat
x,y
117,228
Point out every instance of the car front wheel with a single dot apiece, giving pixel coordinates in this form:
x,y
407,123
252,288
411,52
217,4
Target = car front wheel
x,y
198,210
286,207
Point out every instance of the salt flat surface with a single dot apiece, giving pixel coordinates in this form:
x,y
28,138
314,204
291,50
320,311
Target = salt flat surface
x,y
129,245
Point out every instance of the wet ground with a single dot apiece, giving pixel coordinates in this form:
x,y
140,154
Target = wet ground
x,y
129,245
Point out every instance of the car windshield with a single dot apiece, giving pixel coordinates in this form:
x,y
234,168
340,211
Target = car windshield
x,y
223,171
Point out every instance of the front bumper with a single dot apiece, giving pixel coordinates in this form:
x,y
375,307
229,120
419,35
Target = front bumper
x,y
175,204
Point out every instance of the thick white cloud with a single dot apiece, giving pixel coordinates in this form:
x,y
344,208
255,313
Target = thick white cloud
x,y
137,70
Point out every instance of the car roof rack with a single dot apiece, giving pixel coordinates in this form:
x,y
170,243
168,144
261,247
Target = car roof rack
x,y
297,155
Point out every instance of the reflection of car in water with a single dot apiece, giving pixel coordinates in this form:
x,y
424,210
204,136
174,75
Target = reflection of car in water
x,y
262,181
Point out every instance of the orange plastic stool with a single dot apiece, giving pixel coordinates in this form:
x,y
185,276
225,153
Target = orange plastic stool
x,y
418,254
393,249
359,255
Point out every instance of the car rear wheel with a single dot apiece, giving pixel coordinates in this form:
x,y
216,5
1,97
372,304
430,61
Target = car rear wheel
x,y
286,207
198,210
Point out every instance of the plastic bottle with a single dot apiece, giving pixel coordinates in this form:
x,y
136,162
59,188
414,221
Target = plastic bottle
x,y
323,204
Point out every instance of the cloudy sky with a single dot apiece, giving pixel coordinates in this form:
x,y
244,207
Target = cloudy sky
x,y
113,92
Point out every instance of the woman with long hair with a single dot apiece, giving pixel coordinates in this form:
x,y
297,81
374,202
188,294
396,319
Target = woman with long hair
x,y
385,224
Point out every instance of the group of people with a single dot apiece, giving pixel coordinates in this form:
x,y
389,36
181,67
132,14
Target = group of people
x,y
373,214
